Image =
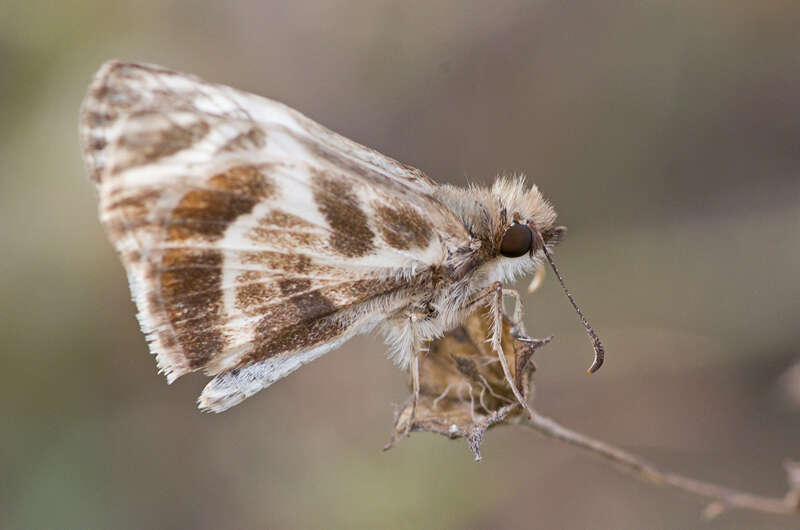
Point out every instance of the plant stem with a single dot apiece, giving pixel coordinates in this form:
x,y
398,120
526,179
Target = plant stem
x,y
721,497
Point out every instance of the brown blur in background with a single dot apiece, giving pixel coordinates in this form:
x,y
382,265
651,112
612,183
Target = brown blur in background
x,y
667,135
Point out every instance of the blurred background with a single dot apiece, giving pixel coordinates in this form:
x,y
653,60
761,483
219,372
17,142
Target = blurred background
x,y
667,135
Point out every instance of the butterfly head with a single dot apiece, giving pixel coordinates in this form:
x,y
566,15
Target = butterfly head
x,y
524,226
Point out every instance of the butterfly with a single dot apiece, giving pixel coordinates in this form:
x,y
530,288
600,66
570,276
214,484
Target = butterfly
x,y
256,240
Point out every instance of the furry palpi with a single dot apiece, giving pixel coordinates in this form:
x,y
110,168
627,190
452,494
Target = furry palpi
x,y
255,240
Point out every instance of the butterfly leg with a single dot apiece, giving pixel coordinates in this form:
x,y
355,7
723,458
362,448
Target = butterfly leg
x,y
416,351
419,350
415,386
516,316
493,295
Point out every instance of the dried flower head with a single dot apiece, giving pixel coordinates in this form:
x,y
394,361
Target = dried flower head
x,y
463,390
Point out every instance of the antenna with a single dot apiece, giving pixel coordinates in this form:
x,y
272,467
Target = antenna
x,y
599,351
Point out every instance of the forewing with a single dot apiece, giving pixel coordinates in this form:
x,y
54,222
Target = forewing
x,y
254,239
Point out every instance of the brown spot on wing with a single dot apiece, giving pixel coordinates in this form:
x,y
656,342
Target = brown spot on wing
x,y
309,304
403,228
296,337
150,144
297,263
284,302
208,212
254,295
351,235
246,180
292,286
191,293
312,316
284,239
283,219
286,231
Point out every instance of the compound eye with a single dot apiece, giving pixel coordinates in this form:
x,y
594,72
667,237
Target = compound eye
x,y
516,241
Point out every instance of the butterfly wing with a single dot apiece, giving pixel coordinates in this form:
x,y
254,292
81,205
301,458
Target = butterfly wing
x,y
254,239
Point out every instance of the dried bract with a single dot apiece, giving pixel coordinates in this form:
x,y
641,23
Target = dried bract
x,y
463,390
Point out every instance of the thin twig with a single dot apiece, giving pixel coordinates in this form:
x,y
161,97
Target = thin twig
x,y
720,496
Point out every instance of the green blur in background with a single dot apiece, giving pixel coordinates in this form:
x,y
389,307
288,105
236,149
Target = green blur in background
x,y
666,134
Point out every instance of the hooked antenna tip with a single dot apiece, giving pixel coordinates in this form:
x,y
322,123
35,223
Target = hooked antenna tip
x,y
599,353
